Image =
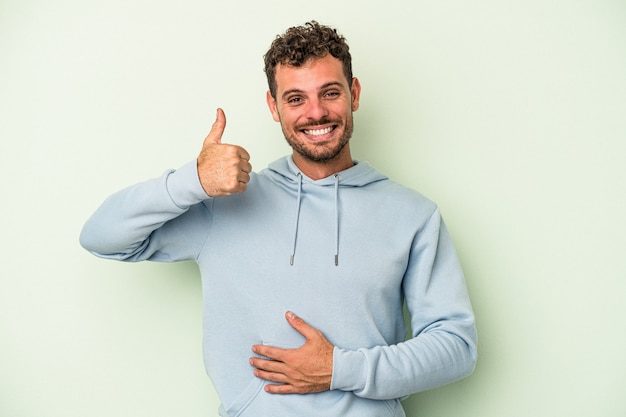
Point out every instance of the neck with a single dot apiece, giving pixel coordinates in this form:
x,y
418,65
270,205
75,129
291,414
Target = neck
x,y
318,170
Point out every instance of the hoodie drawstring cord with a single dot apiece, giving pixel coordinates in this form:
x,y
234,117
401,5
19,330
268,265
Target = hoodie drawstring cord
x,y
295,233
336,219
298,204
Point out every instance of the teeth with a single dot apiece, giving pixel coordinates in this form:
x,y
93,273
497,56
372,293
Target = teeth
x,y
318,132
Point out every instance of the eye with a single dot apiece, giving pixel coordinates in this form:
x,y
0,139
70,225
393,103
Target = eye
x,y
294,100
331,94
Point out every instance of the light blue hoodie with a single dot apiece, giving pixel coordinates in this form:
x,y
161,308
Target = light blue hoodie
x,y
343,253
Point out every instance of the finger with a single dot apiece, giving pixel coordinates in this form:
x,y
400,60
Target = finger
x,y
243,154
301,326
272,353
271,377
245,166
243,179
266,364
282,389
238,188
217,129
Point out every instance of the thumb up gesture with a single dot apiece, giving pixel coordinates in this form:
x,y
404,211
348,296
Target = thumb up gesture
x,y
223,169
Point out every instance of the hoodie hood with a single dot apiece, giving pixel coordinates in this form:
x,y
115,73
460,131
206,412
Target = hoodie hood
x,y
285,172
360,174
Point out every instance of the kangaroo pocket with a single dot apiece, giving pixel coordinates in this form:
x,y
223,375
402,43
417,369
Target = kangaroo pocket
x,y
249,395
254,401
327,404
244,399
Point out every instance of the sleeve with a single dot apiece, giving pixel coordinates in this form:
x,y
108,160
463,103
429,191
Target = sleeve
x,y
155,220
443,346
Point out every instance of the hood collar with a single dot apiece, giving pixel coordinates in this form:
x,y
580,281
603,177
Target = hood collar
x,y
358,175
286,171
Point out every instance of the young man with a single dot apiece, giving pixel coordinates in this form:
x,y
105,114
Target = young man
x,y
316,233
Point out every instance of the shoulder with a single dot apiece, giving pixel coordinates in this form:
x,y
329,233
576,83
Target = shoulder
x,y
402,197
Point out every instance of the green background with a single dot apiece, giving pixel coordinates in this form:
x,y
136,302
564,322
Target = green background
x,y
509,114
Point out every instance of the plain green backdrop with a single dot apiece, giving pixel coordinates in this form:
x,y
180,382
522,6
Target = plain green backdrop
x,y
509,114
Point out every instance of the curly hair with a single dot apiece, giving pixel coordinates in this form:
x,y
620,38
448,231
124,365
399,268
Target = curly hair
x,y
299,44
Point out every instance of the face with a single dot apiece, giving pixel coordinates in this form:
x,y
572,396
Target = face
x,y
314,105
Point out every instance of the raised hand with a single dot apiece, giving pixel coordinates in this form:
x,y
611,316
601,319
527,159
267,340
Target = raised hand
x,y
304,370
223,169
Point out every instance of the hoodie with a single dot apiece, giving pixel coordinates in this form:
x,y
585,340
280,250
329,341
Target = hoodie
x,y
346,253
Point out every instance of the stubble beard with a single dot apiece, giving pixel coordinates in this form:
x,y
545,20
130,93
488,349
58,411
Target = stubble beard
x,y
322,152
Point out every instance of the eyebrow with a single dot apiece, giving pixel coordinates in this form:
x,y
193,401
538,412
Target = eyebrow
x,y
324,86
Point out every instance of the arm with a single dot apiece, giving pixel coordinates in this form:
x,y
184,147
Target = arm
x,y
125,226
443,344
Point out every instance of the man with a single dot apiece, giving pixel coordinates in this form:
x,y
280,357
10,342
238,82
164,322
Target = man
x,y
315,234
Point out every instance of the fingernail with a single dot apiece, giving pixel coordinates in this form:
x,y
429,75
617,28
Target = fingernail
x,y
290,315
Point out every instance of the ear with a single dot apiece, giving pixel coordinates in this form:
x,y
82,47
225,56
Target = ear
x,y
356,93
271,103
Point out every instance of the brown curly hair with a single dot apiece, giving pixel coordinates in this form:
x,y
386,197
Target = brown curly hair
x,y
299,44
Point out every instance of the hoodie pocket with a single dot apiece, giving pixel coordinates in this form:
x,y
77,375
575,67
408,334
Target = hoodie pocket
x,y
245,398
327,403
251,392
253,401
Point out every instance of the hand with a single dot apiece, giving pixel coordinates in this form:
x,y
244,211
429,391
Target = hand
x,y
304,370
223,169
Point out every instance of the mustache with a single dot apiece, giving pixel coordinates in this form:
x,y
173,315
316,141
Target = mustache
x,y
320,122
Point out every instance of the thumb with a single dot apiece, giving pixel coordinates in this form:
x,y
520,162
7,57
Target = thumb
x,y
217,130
300,325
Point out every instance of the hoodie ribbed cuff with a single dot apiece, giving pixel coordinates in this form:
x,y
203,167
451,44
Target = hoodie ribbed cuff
x,y
348,370
183,186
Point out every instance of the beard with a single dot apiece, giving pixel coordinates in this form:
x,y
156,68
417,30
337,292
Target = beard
x,y
320,152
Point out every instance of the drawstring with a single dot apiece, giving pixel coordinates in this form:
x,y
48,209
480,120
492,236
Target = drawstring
x,y
336,219
295,233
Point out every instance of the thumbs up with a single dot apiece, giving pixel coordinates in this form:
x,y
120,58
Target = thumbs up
x,y
217,130
223,169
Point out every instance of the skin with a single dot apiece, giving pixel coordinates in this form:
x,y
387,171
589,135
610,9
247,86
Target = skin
x,y
314,105
304,370
313,97
223,169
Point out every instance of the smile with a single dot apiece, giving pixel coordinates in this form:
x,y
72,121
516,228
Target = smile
x,y
318,132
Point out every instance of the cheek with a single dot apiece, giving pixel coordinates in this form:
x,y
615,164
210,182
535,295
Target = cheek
x,y
275,113
344,109
288,119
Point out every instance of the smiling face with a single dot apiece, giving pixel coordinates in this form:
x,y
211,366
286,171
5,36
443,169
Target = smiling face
x,y
314,104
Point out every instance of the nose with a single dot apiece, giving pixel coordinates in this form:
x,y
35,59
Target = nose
x,y
316,109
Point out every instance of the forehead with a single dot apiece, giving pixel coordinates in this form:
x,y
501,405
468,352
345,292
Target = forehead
x,y
312,75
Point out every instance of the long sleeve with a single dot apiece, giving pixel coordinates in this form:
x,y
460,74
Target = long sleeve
x,y
443,347
159,220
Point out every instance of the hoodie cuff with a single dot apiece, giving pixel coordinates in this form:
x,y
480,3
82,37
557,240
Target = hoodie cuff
x,y
348,366
183,186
